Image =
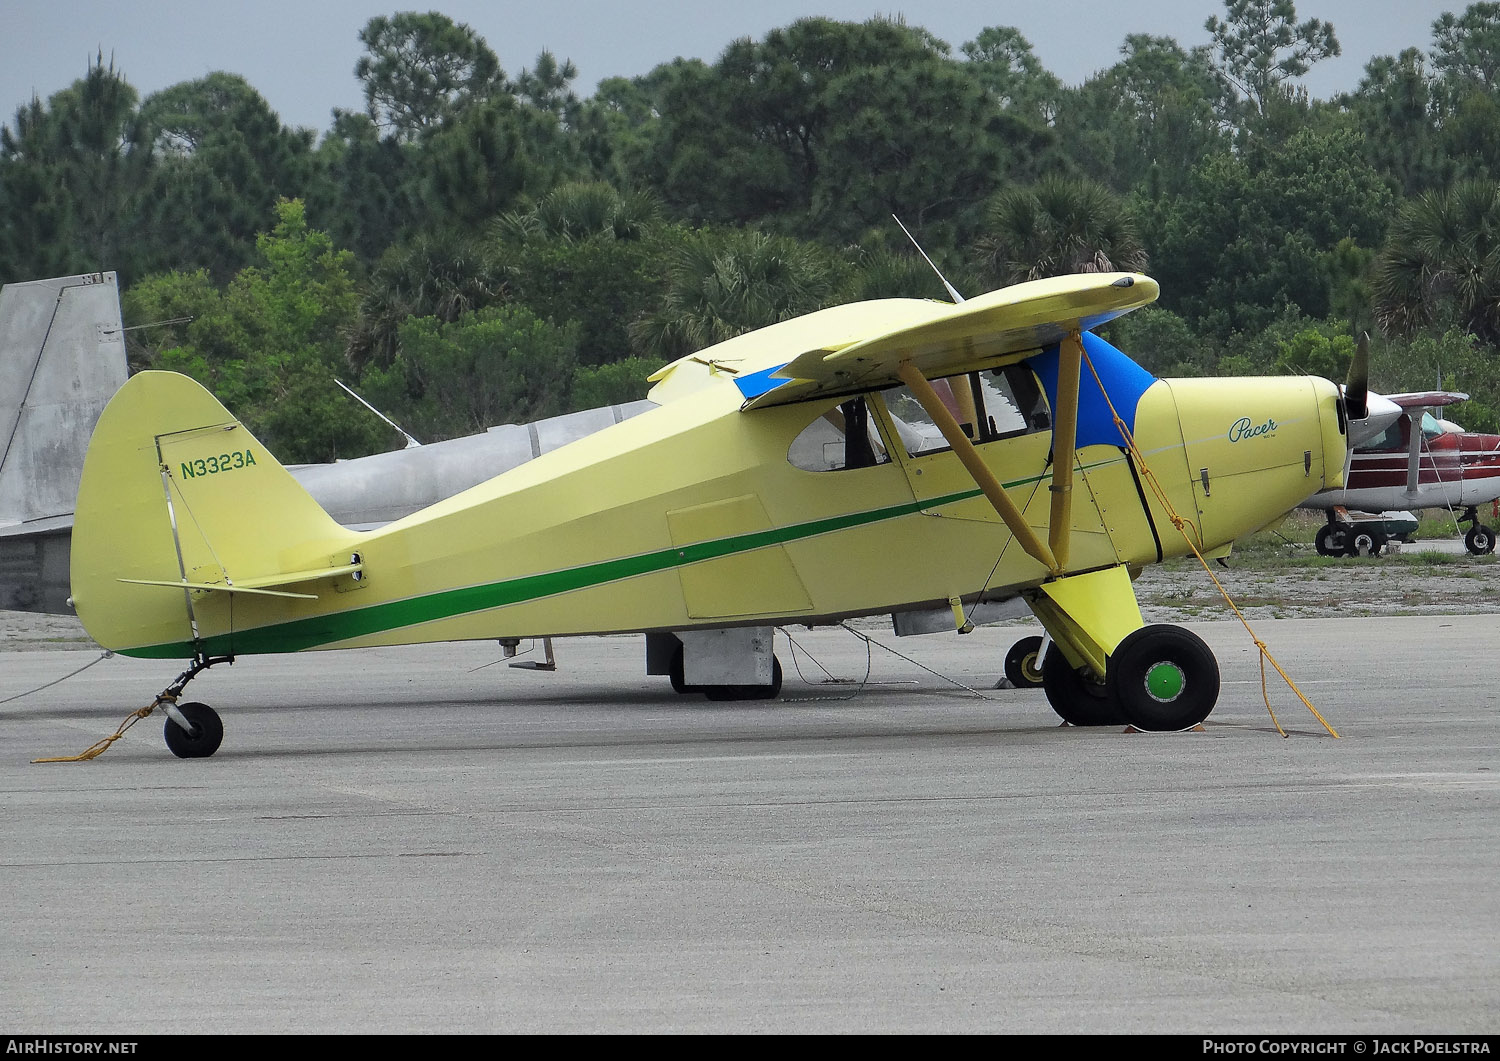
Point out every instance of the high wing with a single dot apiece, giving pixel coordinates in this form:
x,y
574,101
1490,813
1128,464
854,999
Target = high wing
x,y
1427,399
983,332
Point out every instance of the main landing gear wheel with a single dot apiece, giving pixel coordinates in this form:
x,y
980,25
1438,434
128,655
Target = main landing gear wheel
x,y
1480,540
675,672
725,692
1330,540
1022,668
748,692
203,741
1163,678
1078,700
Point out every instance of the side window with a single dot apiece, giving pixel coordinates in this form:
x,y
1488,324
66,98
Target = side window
x,y
843,437
987,405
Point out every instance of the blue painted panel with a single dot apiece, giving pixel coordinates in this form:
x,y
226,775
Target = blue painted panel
x,y
1122,378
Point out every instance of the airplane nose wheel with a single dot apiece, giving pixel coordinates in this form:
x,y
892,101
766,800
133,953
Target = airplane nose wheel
x,y
199,741
1480,540
1163,678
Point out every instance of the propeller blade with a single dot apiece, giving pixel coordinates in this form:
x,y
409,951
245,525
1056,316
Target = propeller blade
x,y
1357,385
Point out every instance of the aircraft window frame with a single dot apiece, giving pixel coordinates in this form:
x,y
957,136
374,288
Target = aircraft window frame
x,y
834,421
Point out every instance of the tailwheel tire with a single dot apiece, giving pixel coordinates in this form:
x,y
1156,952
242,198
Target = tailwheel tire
x,y
1480,540
1163,678
1078,700
1330,540
747,692
1022,667
207,735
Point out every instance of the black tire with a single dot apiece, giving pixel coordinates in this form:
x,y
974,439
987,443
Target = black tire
x,y
1364,542
1078,701
1022,668
1330,540
199,745
1163,678
1480,540
675,673
747,692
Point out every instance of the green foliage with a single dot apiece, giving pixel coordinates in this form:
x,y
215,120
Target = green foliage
x,y
73,173
268,345
613,384
1443,258
1446,360
1267,216
1132,125
1251,235
1060,226
421,71
1316,352
1260,46
1161,342
722,284
493,366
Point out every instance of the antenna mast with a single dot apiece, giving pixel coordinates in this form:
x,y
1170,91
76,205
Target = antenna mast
x,y
956,296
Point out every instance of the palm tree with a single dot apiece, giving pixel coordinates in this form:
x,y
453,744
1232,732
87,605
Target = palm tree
x,y
722,285
1443,256
424,278
1062,225
581,210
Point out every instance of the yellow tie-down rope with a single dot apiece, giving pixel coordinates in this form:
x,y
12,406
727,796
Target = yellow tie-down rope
x,y
1181,523
98,748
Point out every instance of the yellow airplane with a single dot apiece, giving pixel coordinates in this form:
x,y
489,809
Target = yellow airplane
x,y
895,456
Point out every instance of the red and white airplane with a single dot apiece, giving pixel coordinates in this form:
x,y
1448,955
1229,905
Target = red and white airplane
x,y
1420,461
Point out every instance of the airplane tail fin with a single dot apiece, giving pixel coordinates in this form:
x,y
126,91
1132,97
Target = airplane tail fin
x,y
62,354
187,530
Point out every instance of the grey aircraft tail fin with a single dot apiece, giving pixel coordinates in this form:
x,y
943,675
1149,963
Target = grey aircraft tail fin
x,y
62,356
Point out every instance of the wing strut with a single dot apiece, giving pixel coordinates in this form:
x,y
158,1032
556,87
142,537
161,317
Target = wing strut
x,y
983,477
1064,439
1414,452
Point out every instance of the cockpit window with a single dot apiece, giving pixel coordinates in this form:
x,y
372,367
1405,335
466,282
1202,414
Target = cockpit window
x,y
987,405
843,437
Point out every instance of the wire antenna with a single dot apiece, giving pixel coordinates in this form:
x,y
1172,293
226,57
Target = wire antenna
x,y
951,290
411,443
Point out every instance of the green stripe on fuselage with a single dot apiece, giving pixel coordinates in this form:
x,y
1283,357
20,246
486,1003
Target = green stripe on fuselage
x,y
315,631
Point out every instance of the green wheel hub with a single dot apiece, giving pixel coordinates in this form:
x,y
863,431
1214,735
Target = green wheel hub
x,y
1165,681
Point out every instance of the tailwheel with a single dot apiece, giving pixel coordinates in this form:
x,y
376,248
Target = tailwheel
x,y
1480,539
1163,678
1022,666
1078,699
204,736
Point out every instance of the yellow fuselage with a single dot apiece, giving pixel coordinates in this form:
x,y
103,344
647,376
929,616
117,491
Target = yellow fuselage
x,y
688,515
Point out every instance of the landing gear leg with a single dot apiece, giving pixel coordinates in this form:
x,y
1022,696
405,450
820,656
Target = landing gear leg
x,y
192,731
1106,666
